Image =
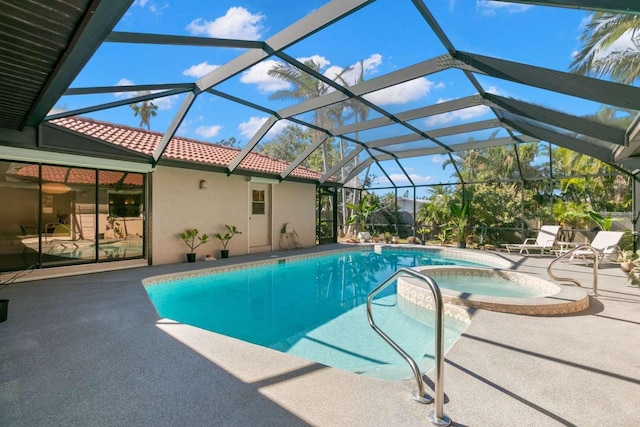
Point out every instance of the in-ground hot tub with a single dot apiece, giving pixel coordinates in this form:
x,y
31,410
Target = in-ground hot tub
x,y
494,289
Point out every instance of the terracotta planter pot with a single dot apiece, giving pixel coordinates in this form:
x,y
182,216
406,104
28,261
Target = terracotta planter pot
x,y
626,266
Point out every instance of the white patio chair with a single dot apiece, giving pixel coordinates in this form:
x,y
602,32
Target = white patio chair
x,y
606,245
545,241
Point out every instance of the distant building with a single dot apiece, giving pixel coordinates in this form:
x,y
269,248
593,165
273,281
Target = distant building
x,y
406,205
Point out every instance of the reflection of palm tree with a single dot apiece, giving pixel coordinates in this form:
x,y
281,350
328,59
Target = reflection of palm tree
x,y
606,52
146,110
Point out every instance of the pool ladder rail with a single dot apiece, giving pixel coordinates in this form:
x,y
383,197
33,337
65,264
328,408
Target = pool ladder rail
x,y
570,279
437,416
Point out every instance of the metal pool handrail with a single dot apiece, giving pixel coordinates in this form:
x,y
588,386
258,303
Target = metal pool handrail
x,y
437,417
570,279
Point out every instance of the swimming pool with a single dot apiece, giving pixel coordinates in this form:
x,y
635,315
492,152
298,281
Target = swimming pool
x,y
312,308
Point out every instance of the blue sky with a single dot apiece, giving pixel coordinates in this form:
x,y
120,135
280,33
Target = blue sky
x,y
387,35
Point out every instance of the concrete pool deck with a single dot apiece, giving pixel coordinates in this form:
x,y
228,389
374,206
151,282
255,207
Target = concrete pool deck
x,y
91,350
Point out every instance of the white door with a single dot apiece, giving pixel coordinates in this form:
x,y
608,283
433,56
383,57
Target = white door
x,y
259,217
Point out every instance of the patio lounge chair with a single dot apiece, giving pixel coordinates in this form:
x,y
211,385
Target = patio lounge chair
x,y
606,245
545,241
58,232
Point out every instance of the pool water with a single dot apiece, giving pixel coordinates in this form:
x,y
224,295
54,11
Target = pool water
x,y
313,308
490,286
107,250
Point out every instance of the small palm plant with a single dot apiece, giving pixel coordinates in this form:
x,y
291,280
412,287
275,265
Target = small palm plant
x,y
459,221
189,237
362,211
192,239
224,239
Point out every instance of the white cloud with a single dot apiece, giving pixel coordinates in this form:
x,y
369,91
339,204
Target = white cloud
x,y
496,91
208,131
164,103
318,59
237,23
372,63
249,128
399,178
158,9
438,159
488,7
58,109
452,116
334,71
403,92
124,82
200,70
258,75
352,73
153,7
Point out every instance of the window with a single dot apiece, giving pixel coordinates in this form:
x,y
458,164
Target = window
x,y
257,205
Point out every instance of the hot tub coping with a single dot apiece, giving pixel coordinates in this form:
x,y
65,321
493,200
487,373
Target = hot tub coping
x,y
564,300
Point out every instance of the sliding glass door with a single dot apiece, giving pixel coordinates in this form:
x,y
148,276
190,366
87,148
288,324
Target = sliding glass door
x,y
19,236
59,215
120,215
68,215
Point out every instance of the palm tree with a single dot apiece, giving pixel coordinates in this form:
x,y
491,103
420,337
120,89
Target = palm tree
x,y
304,88
606,52
359,112
146,110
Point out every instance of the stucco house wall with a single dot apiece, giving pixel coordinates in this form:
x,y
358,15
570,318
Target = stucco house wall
x,y
178,203
295,204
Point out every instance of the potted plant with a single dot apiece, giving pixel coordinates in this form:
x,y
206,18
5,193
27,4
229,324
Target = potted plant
x,y
193,241
224,239
626,260
4,303
423,230
633,276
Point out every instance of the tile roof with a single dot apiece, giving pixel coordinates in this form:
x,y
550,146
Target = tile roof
x,y
181,149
